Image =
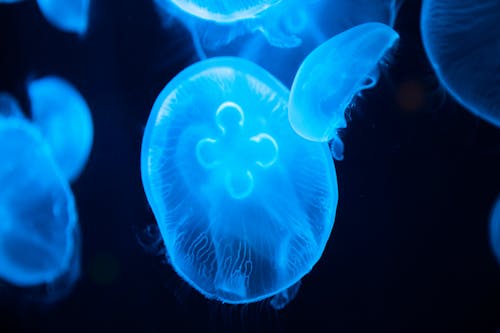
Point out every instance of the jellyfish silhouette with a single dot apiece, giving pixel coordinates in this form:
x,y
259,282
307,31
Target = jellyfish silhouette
x,y
461,41
37,210
244,205
218,22
64,118
495,229
67,15
9,107
303,25
331,76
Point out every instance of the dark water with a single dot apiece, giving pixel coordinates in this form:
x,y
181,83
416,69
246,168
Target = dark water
x,y
409,250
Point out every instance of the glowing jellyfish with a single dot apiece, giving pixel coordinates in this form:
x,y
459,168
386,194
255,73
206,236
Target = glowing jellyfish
x,y
244,205
461,38
495,229
38,217
332,75
67,15
64,118
302,24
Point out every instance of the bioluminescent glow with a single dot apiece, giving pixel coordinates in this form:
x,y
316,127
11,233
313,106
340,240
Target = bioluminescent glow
x,y
64,118
303,25
38,217
9,106
332,75
495,229
461,41
66,15
244,205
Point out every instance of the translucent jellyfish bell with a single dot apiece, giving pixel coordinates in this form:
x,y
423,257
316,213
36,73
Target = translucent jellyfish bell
x,y
64,118
67,15
495,229
37,211
332,75
461,41
9,107
244,205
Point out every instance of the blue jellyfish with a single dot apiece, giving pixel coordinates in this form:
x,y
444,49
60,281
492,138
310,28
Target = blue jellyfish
x,y
37,209
64,118
495,229
303,25
332,75
461,41
67,15
244,205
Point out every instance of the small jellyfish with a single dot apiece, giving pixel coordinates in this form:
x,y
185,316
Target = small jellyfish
x,y
64,118
332,75
244,205
461,39
495,229
37,210
67,15
305,24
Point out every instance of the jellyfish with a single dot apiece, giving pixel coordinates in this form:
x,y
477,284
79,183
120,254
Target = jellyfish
x,y
218,22
330,78
303,26
67,15
495,229
9,106
461,40
64,119
38,218
244,205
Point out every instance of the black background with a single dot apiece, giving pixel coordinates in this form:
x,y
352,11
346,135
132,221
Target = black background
x,y
410,247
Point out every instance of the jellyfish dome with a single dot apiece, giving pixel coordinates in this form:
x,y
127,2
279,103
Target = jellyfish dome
x,y
9,106
332,75
67,15
64,118
461,41
37,209
244,205
495,229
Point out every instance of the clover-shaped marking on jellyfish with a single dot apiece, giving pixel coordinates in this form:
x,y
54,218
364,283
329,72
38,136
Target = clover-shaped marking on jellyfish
x,y
234,153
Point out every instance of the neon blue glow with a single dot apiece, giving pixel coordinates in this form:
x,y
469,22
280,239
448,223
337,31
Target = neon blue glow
x,y
286,32
37,211
64,118
495,229
461,41
244,205
9,106
224,11
67,15
279,301
332,75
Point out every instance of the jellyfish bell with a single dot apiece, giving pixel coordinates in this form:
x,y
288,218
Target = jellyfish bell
x,y
495,229
9,106
67,15
218,22
303,25
332,75
244,205
64,119
461,40
37,209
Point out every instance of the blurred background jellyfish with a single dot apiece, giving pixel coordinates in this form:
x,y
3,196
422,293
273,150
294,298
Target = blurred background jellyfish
x,y
244,205
66,15
38,219
64,119
330,78
9,106
495,229
461,39
299,27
